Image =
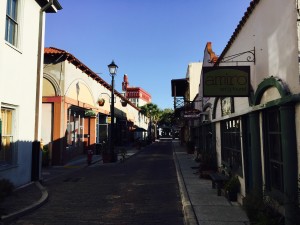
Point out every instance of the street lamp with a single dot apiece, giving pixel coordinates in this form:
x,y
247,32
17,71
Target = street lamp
x,y
113,71
150,126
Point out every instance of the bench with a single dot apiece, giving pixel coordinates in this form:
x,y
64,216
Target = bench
x,y
218,180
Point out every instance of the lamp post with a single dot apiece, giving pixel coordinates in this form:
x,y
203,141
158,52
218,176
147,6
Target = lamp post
x,y
150,126
113,71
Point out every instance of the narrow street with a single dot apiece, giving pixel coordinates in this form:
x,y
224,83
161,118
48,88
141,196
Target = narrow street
x,y
142,190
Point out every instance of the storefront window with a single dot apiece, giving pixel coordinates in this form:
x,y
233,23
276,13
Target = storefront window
x,y
74,129
231,145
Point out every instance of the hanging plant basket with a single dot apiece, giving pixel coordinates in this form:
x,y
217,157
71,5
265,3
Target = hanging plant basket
x,y
90,113
124,103
101,101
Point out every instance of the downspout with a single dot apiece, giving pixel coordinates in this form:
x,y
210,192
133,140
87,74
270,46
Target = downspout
x,y
36,166
39,77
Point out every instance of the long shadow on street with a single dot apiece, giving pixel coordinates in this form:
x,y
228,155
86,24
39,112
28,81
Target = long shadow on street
x,y
142,190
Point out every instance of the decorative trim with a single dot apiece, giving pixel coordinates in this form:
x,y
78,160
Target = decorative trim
x,y
268,83
53,81
212,55
250,57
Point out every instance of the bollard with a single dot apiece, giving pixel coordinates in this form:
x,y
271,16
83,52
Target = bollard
x,y
89,157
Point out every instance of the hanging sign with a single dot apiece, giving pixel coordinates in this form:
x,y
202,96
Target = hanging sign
x,y
226,81
108,120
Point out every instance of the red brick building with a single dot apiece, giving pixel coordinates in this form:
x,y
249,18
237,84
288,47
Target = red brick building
x,y
136,95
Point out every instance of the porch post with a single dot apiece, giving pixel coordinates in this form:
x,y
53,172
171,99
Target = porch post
x,y
255,153
290,167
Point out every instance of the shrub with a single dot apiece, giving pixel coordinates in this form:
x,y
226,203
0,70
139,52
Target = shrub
x,y
6,188
260,211
233,185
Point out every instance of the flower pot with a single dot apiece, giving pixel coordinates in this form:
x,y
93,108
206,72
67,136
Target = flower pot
x,y
109,157
232,196
232,187
101,102
190,147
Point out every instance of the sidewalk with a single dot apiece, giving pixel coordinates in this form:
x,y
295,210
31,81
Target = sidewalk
x,y
201,205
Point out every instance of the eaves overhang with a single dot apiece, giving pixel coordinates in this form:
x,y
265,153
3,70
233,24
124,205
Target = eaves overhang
x,y
238,29
179,87
59,54
53,8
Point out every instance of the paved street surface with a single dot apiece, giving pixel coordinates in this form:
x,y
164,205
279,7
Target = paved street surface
x,y
141,191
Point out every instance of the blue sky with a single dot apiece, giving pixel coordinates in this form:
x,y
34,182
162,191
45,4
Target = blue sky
x,y
152,41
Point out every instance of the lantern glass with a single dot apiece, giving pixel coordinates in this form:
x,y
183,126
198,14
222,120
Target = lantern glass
x,y
112,68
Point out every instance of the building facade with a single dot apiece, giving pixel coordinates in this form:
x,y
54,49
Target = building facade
x,y
136,95
256,137
21,45
76,109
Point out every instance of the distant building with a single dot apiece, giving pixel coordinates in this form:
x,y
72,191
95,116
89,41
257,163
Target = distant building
x,y
136,95
76,109
193,78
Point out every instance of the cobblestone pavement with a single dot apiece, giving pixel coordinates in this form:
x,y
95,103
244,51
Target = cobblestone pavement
x,y
141,191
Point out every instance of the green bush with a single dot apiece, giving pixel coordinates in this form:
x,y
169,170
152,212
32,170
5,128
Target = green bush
x,y
232,185
261,212
45,156
6,188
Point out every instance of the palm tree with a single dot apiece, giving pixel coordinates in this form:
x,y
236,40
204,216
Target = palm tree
x,y
153,112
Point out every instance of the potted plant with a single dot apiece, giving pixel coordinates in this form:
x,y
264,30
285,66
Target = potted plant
x,y
90,113
45,156
6,189
107,155
124,103
232,187
101,101
190,147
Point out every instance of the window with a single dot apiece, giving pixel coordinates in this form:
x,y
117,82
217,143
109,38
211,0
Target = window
x,y
273,150
227,106
7,142
75,125
11,28
231,145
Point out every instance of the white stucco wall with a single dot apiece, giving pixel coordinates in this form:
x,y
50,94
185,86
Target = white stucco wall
x,y
275,40
18,72
272,30
193,76
68,76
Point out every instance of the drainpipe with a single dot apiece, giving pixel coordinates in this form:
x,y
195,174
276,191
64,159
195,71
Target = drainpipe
x,y
36,145
39,70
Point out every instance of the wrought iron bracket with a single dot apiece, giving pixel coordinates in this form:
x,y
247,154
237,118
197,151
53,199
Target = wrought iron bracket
x,y
178,102
249,57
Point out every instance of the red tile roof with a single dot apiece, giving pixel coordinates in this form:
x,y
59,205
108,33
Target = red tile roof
x,y
78,64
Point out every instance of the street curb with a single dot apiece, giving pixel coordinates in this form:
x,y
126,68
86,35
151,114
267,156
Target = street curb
x,y
6,218
187,208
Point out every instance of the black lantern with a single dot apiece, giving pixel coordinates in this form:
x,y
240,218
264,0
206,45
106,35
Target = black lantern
x,y
112,68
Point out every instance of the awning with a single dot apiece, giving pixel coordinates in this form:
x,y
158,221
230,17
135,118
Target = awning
x,y
139,129
179,87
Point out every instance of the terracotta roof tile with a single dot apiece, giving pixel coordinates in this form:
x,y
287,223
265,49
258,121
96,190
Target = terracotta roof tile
x,y
78,64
